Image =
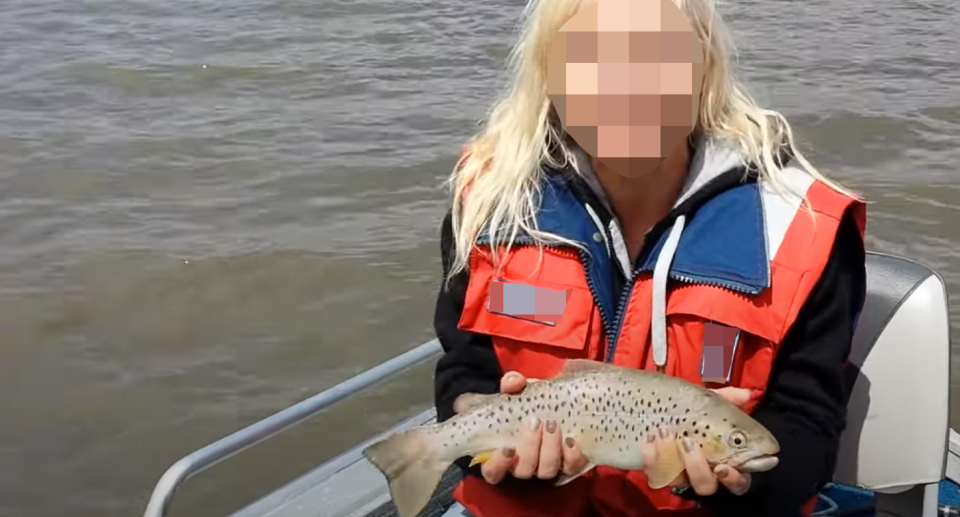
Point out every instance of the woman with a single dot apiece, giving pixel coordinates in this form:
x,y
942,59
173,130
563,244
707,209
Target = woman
x,y
690,237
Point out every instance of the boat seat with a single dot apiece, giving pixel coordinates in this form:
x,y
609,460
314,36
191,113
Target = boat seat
x,y
896,441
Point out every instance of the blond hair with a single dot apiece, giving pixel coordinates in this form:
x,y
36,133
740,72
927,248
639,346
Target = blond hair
x,y
502,169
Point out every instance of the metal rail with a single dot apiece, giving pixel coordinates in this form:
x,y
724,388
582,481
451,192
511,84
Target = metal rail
x,y
200,460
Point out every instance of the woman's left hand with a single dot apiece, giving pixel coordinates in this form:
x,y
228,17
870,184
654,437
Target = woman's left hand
x,y
698,474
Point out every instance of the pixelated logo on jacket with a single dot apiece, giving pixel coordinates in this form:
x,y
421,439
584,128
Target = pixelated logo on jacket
x,y
528,302
719,349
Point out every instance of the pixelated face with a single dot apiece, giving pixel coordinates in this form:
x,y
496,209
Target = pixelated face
x,y
624,76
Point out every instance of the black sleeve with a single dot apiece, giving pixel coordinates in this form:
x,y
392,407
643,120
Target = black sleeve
x,y
469,364
805,403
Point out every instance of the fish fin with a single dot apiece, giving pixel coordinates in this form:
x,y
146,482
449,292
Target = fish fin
x,y
482,458
669,465
412,467
468,401
573,366
563,479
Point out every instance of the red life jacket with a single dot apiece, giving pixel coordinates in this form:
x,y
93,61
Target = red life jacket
x,y
794,249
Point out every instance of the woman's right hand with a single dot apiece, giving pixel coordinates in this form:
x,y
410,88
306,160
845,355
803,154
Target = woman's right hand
x,y
541,450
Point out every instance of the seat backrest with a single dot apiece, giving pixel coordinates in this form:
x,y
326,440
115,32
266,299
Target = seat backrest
x,y
898,416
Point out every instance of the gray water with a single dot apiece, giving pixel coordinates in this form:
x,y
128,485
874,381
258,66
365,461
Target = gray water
x,y
211,210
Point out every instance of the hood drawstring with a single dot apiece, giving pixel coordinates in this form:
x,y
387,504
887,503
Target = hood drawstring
x,y
658,321
661,272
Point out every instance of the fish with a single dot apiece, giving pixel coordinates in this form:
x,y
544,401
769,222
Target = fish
x,y
608,409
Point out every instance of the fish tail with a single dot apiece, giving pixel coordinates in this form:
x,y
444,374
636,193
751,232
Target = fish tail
x,y
412,466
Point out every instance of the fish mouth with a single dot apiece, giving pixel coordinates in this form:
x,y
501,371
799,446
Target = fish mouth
x,y
759,463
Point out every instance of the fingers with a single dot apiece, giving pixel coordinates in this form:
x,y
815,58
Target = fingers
x,y
528,448
541,451
735,481
663,439
550,454
512,382
701,476
648,449
498,465
573,459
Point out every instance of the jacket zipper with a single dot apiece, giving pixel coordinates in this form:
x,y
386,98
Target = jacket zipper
x,y
689,280
584,263
714,283
621,305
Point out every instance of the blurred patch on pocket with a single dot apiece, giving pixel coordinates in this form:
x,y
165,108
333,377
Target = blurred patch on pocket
x,y
719,350
528,302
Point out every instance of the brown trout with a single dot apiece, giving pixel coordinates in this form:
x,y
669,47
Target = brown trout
x,y
608,409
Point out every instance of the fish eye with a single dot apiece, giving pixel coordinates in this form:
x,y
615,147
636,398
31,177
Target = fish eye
x,y
737,439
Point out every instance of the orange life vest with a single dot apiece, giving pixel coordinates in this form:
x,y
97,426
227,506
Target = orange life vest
x,y
782,246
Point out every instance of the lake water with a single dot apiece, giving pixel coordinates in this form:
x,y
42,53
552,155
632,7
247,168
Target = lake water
x,y
211,210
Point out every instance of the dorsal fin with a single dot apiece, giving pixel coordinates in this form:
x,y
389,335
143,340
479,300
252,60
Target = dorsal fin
x,y
575,366
468,401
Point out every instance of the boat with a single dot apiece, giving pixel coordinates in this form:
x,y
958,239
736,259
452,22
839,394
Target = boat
x,y
898,455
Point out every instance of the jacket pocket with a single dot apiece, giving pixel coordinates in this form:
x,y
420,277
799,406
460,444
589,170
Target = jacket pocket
x,y
746,359
535,325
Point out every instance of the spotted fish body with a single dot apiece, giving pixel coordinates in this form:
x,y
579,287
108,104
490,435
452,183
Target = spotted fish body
x,y
608,409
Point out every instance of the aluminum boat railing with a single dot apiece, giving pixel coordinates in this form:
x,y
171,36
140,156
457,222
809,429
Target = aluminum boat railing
x,y
198,461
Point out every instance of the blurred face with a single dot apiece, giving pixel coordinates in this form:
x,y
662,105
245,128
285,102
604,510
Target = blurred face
x,y
624,77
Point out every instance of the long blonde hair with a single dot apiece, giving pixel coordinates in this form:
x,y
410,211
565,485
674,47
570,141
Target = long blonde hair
x,y
502,169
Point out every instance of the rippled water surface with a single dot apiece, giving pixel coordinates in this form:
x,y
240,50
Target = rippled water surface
x,y
210,210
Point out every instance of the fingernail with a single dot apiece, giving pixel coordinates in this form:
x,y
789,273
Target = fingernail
x,y
688,444
722,473
664,433
511,376
551,426
533,423
651,438
508,452
570,442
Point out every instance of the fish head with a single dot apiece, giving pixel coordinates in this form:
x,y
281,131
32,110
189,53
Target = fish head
x,y
739,441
